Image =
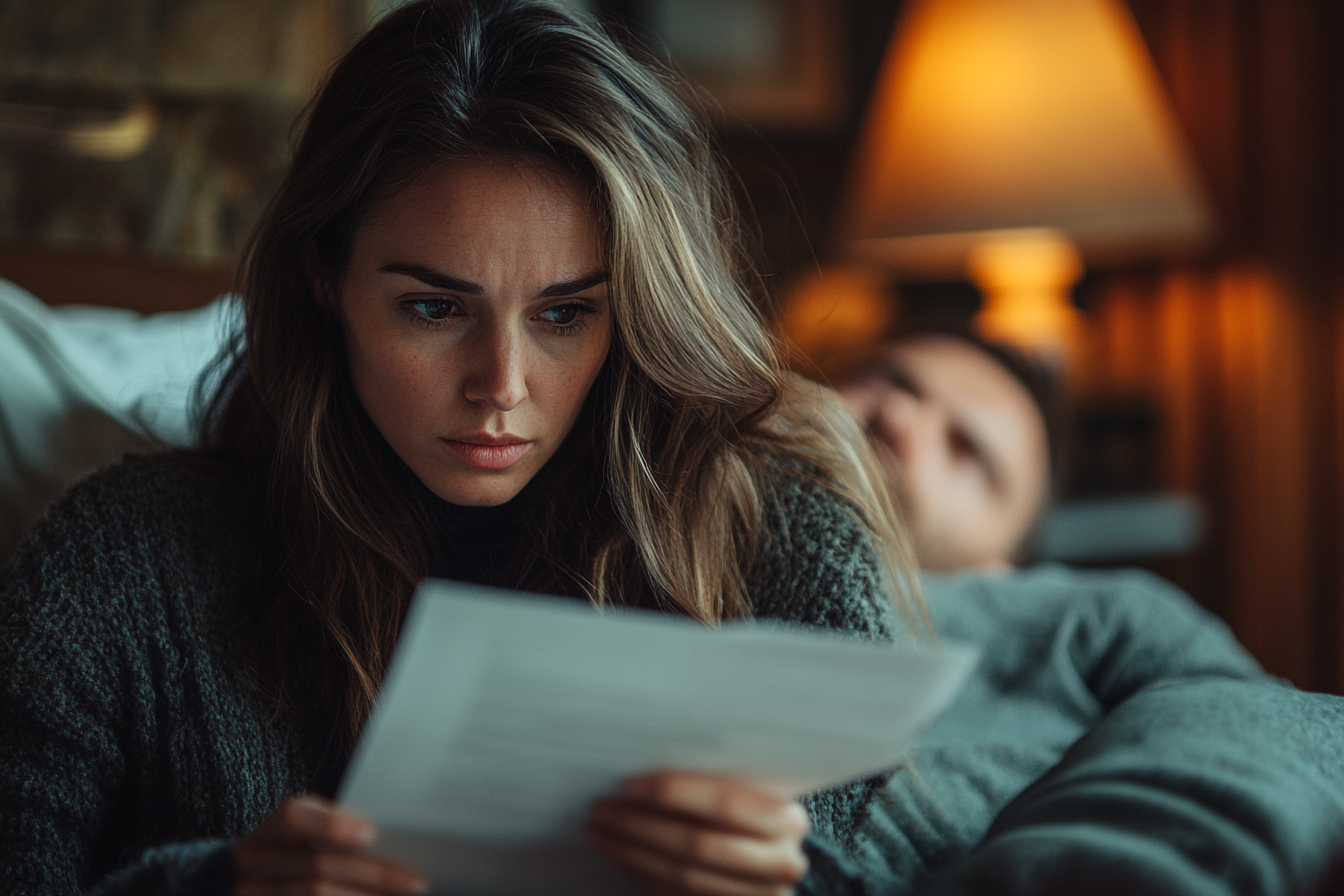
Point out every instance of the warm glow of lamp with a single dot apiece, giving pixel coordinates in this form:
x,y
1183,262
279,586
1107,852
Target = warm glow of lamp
x,y
1004,133
1025,276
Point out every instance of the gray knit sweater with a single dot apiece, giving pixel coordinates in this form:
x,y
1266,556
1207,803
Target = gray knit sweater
x,y
1115,739
133,749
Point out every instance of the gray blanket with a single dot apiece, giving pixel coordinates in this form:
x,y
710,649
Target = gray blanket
x,y
1116,739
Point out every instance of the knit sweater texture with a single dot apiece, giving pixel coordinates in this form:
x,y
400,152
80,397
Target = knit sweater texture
x,y
134,747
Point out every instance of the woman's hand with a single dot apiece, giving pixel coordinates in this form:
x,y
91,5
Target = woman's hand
x,y
307,847
683,833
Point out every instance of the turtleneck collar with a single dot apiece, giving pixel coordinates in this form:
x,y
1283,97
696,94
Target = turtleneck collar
x,y
458,518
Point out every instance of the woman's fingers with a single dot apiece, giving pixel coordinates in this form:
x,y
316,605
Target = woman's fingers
x,y
308,846
692,842
683,833
310,819
364,873
297,888
663,874
720,801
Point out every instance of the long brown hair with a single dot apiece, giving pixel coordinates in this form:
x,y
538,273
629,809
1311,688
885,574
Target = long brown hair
x,y
690,419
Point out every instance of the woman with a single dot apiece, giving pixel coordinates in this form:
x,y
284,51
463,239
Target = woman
x,y
497,330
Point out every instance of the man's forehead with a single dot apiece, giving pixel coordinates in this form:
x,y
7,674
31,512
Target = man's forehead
x,y
980,394
960,369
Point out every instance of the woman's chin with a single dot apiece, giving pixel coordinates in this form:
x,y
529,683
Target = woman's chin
x,y
479,488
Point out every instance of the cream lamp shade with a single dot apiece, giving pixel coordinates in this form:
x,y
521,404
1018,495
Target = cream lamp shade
x,y
1004,127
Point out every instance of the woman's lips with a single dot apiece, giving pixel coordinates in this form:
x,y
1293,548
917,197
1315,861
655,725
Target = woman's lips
x,y
488,453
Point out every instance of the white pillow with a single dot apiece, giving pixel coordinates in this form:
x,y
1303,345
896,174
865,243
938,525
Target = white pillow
x,y
79,386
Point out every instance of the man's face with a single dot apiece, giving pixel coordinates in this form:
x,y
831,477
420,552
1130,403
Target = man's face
x,y
964,447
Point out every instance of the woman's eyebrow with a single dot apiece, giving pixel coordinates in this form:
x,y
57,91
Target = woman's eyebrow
x,y
431,277
569,287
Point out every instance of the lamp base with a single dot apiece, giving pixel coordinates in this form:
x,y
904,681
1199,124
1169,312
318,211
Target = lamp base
x,y
1026,277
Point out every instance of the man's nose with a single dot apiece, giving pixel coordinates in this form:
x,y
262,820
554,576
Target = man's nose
x,y
498,368
904,424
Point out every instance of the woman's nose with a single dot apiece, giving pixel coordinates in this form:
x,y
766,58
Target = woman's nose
x,y
498,369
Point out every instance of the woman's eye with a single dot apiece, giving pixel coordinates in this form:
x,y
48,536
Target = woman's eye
x,y
566,315
432,309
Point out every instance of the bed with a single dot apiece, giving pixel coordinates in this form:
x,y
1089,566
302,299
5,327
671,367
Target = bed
x,y
1116,739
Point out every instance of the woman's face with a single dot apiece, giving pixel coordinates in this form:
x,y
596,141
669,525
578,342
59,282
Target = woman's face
x,y
475,314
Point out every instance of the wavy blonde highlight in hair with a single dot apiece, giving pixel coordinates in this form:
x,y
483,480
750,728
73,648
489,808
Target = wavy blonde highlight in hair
x,y
702,408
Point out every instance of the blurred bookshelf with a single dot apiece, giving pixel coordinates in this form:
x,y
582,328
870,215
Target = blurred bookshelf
x,y
132,129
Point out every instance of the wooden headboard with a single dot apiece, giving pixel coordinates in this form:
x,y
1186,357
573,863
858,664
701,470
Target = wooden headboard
x,y
93,277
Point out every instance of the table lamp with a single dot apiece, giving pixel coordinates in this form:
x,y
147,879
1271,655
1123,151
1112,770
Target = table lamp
x,y
1008,140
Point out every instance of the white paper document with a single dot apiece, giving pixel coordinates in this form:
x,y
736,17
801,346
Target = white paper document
x,y
503,716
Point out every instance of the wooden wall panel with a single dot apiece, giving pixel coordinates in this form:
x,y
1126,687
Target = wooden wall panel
x,y
1240,366
1243,347
1267,540
1332,613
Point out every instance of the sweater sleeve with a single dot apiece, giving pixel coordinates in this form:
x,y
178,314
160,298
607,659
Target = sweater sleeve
x,y
1132,629
816,566
72,688
199,868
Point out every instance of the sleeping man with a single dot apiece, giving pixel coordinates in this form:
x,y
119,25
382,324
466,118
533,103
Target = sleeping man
x,y
1116,738
967,432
